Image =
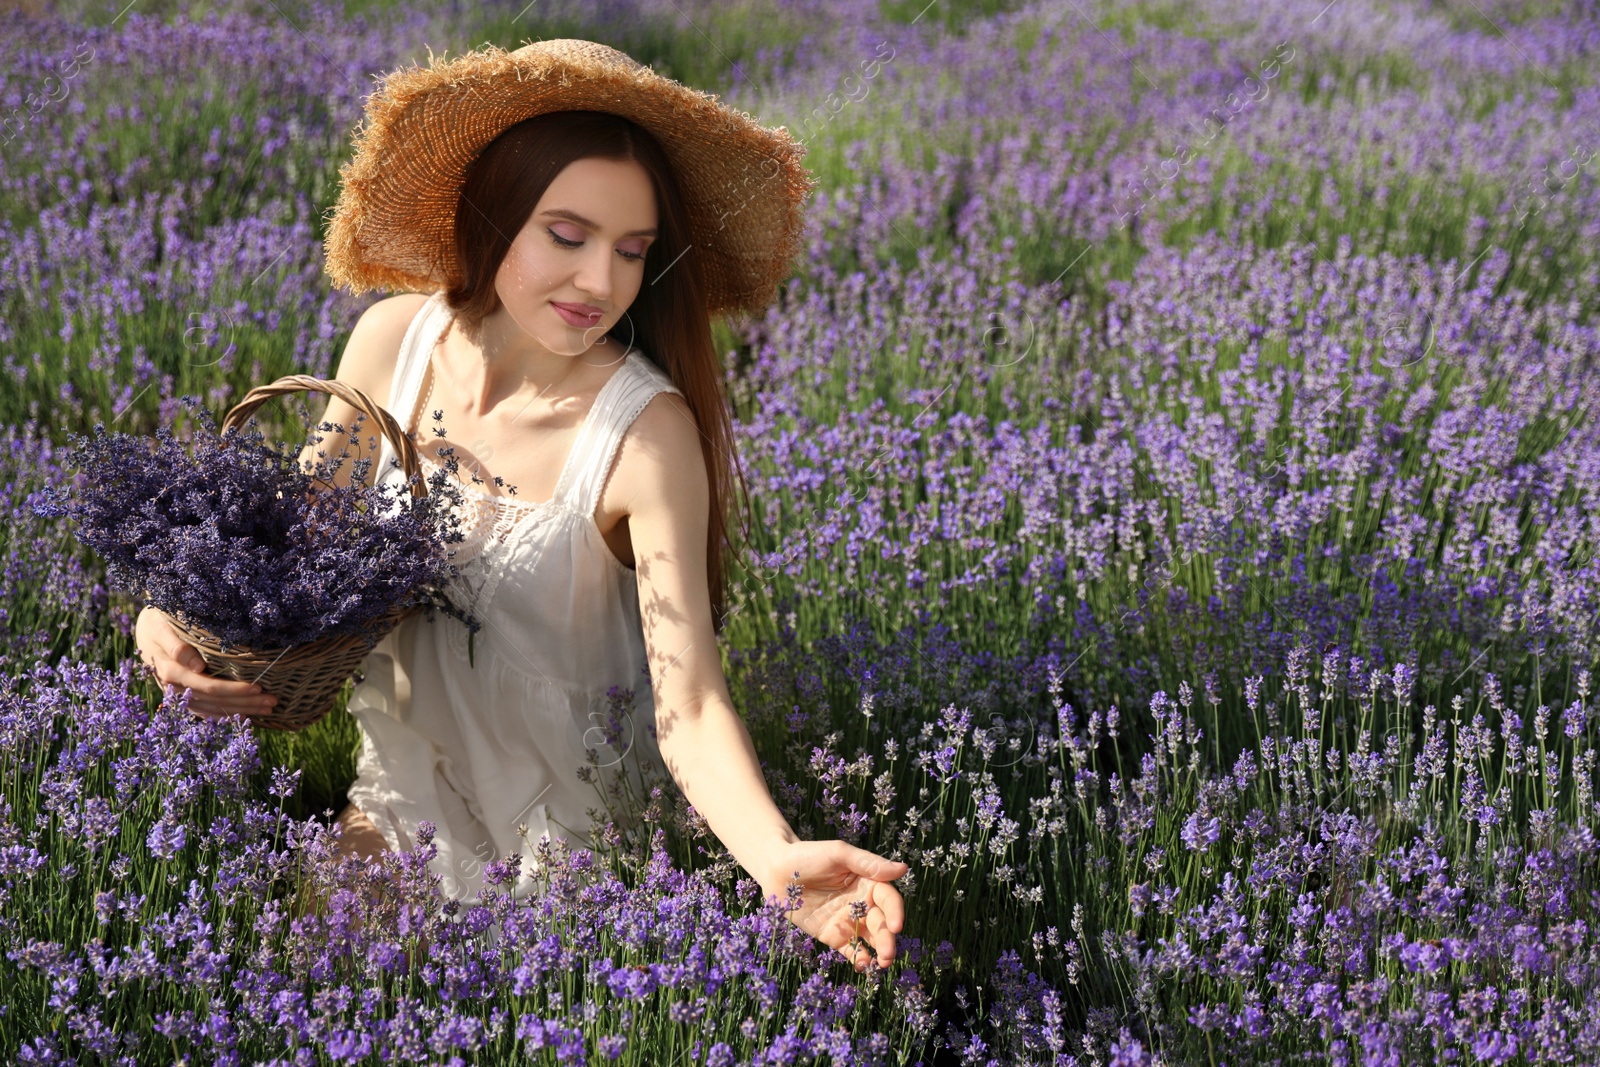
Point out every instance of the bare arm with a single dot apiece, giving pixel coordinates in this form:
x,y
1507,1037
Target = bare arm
x,y
703,739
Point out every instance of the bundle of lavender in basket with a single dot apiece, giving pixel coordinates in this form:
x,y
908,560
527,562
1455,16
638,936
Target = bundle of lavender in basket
x,y
278,574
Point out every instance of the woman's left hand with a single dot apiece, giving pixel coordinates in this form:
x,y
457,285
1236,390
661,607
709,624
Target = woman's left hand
x,y
833,875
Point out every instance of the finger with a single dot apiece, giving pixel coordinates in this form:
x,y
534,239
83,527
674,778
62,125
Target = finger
x,y
893,904
881,936
206,712
224,711
198,706
870,864
227,704
186,655
201,697
209,684
202,702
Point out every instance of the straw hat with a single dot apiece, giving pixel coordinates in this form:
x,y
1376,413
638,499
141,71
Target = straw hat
x,y
393,226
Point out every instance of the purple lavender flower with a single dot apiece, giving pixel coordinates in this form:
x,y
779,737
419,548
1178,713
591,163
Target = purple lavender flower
x,y
1200,833
228,533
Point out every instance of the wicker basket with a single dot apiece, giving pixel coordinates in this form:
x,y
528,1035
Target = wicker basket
x,y
308,678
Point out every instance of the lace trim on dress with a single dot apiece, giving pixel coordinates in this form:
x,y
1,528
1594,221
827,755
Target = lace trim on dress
x,y
486,519
487,524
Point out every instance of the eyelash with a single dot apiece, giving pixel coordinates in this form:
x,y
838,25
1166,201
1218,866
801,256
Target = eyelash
x,y
564,243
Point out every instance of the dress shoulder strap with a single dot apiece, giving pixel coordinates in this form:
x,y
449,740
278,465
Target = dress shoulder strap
x,y
412,363
412,360
619,402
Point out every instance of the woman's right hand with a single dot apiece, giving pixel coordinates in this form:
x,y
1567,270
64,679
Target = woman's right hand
x,y
180,665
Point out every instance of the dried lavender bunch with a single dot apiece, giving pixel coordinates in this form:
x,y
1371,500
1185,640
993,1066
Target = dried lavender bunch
x,y
227,532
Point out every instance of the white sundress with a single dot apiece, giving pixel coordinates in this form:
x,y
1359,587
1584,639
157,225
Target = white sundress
x,y
485,747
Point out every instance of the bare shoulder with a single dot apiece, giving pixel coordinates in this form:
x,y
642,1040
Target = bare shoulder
x,y
660,458
373,349
368,363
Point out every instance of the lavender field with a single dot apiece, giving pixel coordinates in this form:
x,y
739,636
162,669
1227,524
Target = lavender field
x,y
1179,483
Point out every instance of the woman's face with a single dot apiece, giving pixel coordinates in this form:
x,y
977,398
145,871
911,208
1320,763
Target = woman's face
x,y
582,249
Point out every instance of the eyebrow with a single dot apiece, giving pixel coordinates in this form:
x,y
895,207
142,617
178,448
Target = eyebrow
x,y
573,216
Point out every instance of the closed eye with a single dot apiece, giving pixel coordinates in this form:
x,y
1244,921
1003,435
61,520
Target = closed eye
x,y
564,243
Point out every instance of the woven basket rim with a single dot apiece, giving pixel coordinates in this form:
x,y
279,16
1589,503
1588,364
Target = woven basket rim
x,y
309,676
212,644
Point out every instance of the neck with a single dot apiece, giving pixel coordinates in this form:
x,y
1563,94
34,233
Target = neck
x,y
502,363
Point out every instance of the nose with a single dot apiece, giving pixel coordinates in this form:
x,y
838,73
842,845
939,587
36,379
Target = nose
x,y
594,276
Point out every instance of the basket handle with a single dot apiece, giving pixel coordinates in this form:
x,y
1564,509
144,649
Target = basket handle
x,y
305,383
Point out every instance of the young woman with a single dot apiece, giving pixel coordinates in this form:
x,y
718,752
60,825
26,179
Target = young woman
x,y
576,219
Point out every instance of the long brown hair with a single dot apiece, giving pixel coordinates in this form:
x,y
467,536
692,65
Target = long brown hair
x,y
669,322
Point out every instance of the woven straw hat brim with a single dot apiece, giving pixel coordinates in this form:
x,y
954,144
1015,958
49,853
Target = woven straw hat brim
x,y
743,183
